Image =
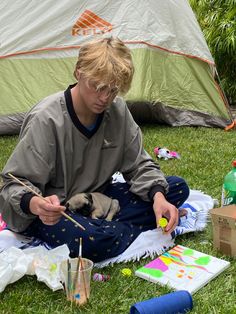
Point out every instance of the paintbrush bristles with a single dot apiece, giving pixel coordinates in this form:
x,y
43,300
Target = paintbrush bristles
x,y
72,220
37,194
80,247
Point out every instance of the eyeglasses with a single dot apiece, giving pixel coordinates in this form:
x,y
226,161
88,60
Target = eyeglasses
x,y
106,90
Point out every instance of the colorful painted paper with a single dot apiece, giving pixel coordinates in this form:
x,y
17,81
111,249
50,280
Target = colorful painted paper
x,y
182,268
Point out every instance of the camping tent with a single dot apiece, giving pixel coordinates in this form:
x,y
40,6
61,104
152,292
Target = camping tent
x,y
174,79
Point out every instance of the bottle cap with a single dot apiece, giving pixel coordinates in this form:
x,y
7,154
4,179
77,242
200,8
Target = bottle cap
x,y
234,163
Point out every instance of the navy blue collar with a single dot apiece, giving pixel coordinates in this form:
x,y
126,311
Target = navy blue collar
x,y
69,104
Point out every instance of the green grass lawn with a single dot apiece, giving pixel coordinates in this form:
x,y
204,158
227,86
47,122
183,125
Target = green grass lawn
x,y
206,156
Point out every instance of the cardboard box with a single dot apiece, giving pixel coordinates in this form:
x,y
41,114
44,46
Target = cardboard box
x,y
224,229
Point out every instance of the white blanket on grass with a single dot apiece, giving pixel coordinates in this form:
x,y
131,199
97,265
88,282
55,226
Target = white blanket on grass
x,y
154,242
15,262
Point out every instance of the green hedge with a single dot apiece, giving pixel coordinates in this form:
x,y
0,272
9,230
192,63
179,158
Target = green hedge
x,y
217,19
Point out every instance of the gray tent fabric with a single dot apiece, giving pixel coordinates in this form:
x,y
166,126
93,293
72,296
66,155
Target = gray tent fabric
x,y
162,114
11,124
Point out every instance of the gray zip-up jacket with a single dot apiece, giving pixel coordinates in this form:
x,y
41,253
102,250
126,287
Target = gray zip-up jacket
x,y
56,154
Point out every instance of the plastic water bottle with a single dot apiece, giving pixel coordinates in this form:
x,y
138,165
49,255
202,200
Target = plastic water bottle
x,y
229,187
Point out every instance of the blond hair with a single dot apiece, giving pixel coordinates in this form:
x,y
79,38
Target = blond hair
x,y
106,61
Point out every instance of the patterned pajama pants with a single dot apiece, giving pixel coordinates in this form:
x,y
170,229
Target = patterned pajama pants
x,y
103,239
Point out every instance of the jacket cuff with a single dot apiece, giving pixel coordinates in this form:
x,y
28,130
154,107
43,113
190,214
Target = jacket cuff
x,y
24,203
154,190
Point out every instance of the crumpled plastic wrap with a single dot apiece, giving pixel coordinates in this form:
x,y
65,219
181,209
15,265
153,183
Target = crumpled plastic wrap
x,y
45,264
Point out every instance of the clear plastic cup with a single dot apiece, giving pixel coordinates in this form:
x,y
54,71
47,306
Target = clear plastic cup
x,y
76,273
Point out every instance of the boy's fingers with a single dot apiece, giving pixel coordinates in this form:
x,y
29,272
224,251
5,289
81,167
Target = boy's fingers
x,y
173,221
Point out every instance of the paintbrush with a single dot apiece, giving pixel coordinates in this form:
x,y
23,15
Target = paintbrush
x,y
37,194
77,272
80,268
69,288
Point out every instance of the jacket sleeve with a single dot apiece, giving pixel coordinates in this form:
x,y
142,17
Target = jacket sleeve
x,y
138,168
29,164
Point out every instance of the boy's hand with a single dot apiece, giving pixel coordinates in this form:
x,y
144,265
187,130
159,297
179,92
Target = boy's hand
x,y
163,208
48,209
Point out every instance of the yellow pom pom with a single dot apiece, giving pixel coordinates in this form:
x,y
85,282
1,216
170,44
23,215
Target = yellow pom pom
x,y
126,272
53,267
163,222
